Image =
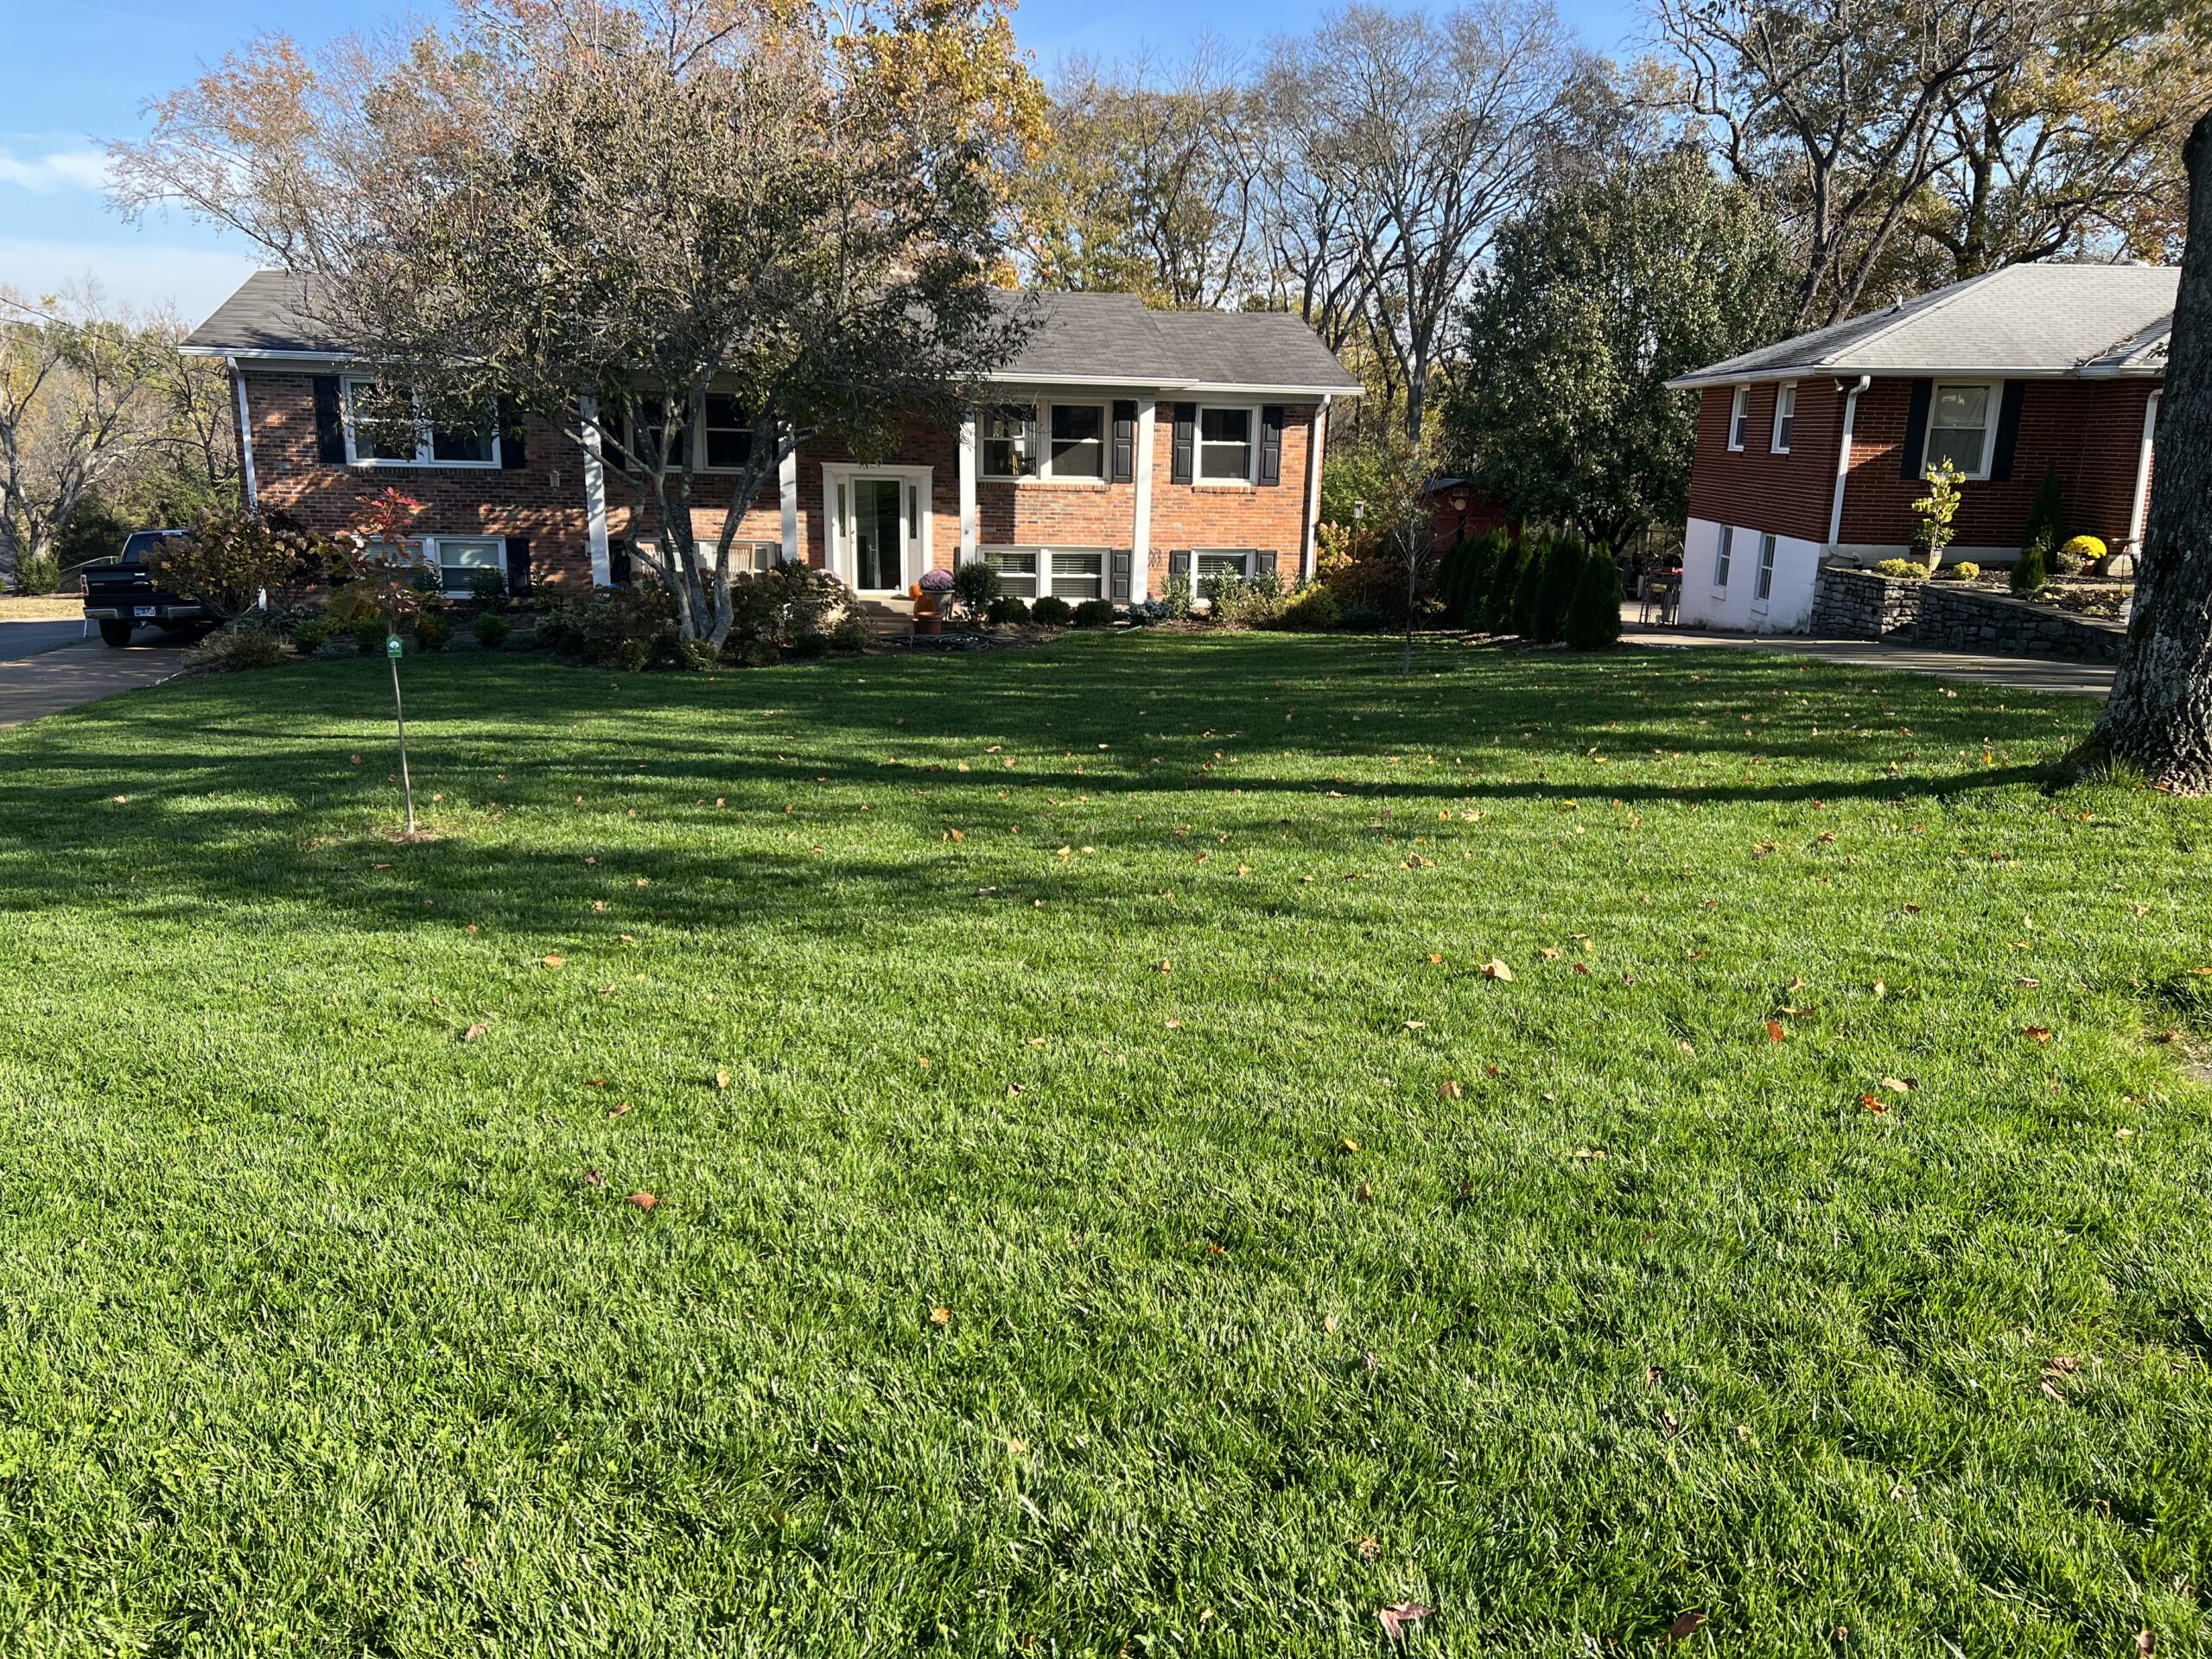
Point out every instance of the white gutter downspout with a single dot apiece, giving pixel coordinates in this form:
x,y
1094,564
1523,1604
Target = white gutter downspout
x,y
245,440
1843,460
1314,436
2139,525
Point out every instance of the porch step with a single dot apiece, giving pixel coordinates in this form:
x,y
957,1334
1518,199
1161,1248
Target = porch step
x,y
887,619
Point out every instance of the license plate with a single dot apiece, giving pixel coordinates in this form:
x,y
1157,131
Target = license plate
x,y
142,610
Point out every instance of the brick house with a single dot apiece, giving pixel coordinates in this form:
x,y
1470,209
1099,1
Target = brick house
x,y
1122,446
1814,450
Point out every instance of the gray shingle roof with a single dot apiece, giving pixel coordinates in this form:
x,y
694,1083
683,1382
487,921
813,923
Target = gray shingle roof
x,y
1107,338
268,313
2024,320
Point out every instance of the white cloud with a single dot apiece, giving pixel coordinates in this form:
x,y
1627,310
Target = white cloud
x,y
130,274
59,169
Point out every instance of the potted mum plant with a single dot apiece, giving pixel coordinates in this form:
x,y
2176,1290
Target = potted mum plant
x,y
929,595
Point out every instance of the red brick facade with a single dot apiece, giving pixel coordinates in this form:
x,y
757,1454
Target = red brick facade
x,y
544,500
2091,431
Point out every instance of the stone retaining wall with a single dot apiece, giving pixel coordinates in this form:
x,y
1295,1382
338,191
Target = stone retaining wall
x,y
1954,617
1849,604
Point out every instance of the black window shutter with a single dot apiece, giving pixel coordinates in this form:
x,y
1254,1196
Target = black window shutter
x,y
1186,433
1120,561
512,454
618,563
1125,442
2008,431
1271,443
329,421
517,564
1179,563
1916,429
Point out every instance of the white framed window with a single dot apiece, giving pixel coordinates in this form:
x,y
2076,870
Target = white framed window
x,y
1785,418
1961,421
458,558
721,437
726,434
1228,445
1029,574
1740,417
1209,562
386,429
1008,432
1075,446
1763,583
1722,559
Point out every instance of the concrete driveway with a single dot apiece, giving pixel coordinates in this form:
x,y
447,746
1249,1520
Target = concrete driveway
x,y
43,679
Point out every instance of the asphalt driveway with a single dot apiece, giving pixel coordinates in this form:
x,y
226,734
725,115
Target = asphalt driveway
x,y
21,640
45,667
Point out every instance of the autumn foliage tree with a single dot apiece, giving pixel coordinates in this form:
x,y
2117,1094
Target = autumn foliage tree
x,y
608,211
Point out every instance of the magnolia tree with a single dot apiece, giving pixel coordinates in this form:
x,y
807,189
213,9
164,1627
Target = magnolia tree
x,y
611,212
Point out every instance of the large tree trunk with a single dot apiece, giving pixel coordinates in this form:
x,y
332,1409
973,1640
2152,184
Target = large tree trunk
x,y
2159,718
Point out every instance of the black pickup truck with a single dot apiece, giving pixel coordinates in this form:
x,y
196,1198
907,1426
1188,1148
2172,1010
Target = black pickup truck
x,y
120,595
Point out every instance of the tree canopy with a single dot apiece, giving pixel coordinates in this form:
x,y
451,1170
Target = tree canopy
x,y
610,212
1606,290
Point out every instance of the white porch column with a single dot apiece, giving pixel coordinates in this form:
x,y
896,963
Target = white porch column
x,y
967,518
602,573
1141,520
1316,437
2138,509
787,494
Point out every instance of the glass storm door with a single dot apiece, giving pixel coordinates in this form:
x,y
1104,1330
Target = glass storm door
x,y
882,530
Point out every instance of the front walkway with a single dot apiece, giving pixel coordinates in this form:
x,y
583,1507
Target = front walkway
x,y
2018,673
34,686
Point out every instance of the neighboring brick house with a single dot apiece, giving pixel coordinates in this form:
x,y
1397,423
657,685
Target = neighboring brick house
x,y
1122,446
1814,450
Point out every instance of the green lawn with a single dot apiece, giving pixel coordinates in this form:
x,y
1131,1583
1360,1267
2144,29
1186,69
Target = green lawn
x,y
1105,998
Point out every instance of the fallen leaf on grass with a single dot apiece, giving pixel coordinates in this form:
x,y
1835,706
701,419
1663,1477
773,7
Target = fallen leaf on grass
x,y
1448,1090
940,1316
1347,1145
623,1110
1898,1085
2022,979
596,1178
1495,970
1175,1024
1363,1193
1371,1547
1775,1033
722,1079
1400,1616
2040,1034
475,1032
1684,1627
1874,1102
1548,953
1416,1025
555,961
642,1200
1588,1154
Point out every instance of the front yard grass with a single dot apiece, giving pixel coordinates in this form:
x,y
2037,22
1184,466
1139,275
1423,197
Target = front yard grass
x,y
1102,1202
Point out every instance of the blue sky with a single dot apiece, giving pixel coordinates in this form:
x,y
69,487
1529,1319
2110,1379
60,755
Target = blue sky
x,y
75,72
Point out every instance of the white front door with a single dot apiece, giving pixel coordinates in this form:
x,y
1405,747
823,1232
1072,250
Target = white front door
x,y
881,519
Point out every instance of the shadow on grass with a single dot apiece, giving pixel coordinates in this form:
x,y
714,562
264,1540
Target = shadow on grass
x,y
271,787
